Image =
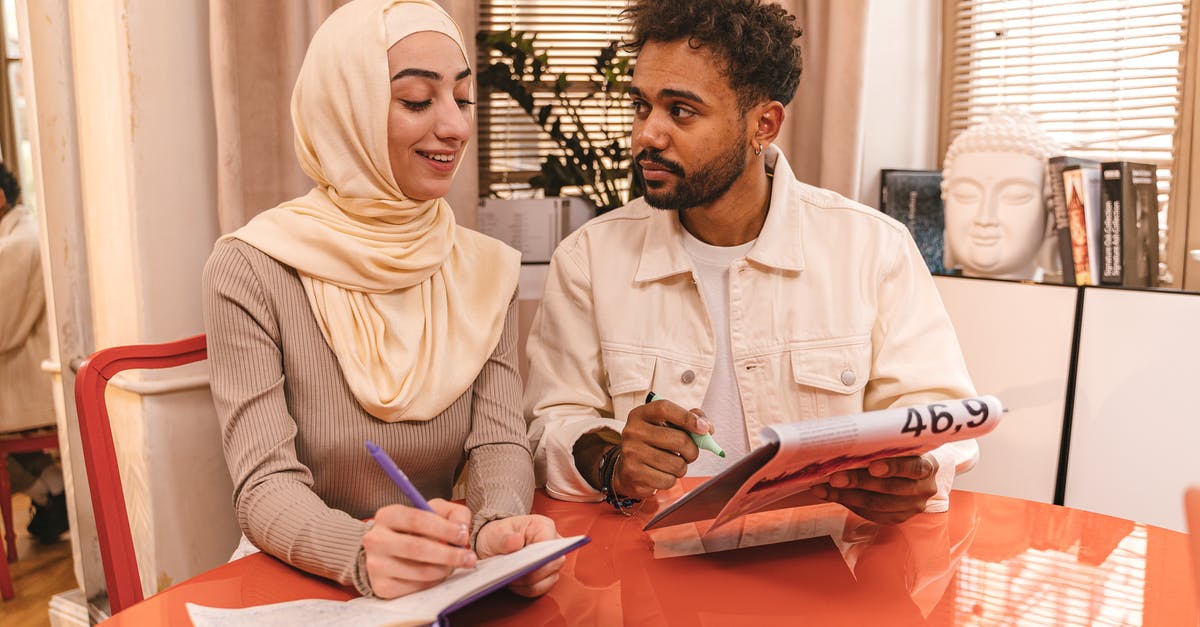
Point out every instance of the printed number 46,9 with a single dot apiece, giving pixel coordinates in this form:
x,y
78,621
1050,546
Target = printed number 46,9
x,y
941,420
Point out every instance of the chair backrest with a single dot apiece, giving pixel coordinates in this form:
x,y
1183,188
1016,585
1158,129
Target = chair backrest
x,y
1191,507
100,456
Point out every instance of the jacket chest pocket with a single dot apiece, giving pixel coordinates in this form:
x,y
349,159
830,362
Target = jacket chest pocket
x,y
830,377
629,376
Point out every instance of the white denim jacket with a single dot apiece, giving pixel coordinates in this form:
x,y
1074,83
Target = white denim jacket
x,y
832,312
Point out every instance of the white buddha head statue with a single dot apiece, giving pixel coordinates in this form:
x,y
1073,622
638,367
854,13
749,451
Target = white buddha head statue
x,y
994,190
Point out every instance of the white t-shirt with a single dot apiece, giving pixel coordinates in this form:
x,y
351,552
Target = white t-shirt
x,y
722,404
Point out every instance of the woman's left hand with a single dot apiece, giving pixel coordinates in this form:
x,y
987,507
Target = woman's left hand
x,y
510,534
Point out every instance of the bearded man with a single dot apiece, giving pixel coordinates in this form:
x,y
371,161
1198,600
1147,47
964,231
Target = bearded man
x,y
731,289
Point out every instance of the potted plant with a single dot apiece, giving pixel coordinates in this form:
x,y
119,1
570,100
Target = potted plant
x,y
592,161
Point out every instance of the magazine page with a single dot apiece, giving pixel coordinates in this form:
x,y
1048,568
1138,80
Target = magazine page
x,y
707,500
811,450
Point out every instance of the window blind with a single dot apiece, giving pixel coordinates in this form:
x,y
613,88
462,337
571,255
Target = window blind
x,y
511,145
1104,77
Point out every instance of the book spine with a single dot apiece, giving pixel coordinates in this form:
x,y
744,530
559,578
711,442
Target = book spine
x,y
1058,206
1076,217
1139,225
1111,194
883,189
1093,218
914,197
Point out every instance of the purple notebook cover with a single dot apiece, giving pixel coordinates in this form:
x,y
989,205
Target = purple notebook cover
x,y
444,619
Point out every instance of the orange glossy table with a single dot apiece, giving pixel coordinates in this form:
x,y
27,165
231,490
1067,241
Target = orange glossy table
x,y
990,561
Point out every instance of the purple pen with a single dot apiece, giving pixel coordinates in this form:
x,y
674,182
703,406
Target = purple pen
x,y
398,477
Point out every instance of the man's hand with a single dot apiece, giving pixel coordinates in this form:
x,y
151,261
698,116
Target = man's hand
x,y
408,549
889,491
654,455
506,535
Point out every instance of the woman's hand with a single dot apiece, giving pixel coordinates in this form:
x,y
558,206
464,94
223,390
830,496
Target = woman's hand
x,y
409,549
510,534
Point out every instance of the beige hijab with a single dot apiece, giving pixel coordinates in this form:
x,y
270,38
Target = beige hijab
x,y
411,304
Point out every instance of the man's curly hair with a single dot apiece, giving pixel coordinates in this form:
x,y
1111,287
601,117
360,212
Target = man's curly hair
x,y
8,183
755,39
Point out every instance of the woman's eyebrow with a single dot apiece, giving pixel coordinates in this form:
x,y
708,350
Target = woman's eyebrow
x,y
430,74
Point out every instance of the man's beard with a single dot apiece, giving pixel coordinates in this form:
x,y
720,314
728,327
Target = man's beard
x,y
707,184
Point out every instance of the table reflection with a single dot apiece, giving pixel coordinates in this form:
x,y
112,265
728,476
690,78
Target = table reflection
x,y
1036,565
990,561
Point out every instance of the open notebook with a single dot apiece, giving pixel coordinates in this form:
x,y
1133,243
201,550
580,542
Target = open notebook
x,y
418,608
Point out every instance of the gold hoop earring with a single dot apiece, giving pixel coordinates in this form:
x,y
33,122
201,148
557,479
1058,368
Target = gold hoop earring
x,y
758,150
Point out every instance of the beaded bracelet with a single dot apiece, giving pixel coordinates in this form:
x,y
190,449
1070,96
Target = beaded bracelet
x,y
608,467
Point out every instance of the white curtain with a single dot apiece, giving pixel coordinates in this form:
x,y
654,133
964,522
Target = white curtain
x,y
823,129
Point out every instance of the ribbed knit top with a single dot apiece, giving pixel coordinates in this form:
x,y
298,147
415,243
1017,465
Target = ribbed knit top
x,y
294,434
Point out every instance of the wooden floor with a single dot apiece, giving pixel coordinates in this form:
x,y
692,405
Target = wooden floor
x,y
41,572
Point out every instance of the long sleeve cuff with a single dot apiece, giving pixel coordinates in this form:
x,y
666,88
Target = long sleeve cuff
x,y
554,460
499,484
322,541
362,580
953,458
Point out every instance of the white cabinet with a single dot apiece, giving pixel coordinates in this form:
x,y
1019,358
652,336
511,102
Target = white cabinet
x,y
1016,338
1135,434
1134,438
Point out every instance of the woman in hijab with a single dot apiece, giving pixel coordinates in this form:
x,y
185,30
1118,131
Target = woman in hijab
x,y
361,312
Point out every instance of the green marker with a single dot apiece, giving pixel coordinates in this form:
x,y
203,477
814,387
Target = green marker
x,y
702,440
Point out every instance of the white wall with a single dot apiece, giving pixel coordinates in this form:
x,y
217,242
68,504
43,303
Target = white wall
x,y
147,164
903,56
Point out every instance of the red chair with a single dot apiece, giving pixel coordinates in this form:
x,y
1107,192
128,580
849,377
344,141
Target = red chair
x,y
23,442
100,457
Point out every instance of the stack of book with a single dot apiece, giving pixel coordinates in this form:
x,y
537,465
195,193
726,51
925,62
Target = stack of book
x,y
914,197
1106,215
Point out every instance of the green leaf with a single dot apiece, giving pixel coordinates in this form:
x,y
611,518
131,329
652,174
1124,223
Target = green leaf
x,y
540,63
590,160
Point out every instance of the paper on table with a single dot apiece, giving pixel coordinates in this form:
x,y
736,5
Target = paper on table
x,y
418,608
757,529
313,612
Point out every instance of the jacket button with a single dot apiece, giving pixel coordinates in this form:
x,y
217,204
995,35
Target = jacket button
x,y
687,377
848,377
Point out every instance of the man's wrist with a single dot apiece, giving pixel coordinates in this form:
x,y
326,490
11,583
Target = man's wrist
x,y
589,451
608,475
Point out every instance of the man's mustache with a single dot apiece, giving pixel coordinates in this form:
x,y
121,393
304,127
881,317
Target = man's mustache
x,y
655,156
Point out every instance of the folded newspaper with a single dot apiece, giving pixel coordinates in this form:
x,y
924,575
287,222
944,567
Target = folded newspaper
x,y
799,455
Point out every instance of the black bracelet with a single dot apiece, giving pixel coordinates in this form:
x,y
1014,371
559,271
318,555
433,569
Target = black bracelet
x,y
608,467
